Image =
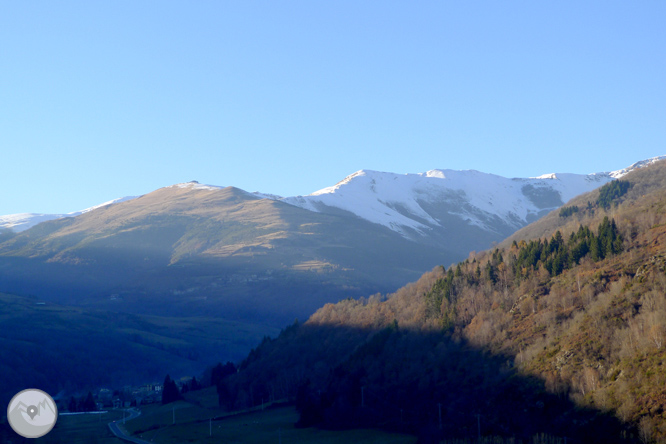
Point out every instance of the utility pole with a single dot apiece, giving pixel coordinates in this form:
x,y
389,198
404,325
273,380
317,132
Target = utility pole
x,y
478,425
174,414
210,427
439,405
280,436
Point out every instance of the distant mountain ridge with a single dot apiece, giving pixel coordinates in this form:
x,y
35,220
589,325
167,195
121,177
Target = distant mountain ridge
x,y
193,249
409,203
401,201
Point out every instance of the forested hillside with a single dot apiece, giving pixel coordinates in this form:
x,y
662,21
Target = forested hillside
x,y
561,333
70,349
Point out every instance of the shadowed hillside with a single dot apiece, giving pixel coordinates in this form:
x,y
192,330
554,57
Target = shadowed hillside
x,y
57,348
562,334
398,379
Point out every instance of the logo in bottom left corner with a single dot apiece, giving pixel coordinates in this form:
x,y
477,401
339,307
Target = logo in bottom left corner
x,y
32,413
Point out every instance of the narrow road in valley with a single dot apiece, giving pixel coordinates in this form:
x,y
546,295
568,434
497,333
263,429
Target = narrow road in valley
x,y
122,434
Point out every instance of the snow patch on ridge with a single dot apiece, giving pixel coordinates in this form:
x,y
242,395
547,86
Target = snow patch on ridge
x,y
111,202
395,201
266,195
23,221
643,163
546,176
374,196
196,186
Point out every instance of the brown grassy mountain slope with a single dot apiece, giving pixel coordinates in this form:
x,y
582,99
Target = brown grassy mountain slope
x,y
563,334
191,250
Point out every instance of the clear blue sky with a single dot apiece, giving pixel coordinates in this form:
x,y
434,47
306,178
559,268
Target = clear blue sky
x,y
102,99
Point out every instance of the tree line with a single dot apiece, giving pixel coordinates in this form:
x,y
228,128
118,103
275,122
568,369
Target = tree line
x,y
214,376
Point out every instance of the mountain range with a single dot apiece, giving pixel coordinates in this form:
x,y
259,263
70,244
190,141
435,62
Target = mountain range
x,y
409,203
193,274
193,249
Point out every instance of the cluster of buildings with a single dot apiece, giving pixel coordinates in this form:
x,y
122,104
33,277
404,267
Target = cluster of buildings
x,y
129,396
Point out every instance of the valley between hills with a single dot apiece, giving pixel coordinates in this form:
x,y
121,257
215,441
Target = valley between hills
x,y
557,331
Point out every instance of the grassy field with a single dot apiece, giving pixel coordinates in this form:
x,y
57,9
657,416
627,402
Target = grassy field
x,y
83,429
273,425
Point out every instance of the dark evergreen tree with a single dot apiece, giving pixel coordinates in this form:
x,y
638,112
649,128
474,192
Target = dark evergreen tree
x,y
558,255
89,404
609,193
170,391
491,273
568,211
220,372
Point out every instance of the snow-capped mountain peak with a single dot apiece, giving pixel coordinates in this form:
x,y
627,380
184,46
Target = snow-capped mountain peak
x,y
343,182
414,204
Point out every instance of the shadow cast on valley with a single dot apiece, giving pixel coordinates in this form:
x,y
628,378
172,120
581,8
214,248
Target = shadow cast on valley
x,y
424,383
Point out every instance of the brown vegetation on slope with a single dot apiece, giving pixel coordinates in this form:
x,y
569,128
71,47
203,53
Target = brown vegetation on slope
x,y
586,339
186,250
